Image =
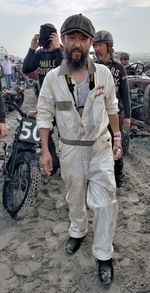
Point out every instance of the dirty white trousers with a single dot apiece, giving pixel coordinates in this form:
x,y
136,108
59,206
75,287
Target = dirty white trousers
x,y
88,172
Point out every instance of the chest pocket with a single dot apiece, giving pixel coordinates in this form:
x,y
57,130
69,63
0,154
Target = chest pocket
x,y
65,117
64,105
97,110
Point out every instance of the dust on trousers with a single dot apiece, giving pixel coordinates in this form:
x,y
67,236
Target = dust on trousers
x,y
88,172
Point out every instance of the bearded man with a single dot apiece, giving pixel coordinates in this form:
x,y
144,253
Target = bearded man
x,y
81,96
103,47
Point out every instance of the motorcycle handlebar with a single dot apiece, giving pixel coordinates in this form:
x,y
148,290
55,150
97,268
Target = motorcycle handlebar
x,y
23,114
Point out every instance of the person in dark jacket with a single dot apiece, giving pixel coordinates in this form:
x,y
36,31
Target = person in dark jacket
x,y
103,47
47,57
3,130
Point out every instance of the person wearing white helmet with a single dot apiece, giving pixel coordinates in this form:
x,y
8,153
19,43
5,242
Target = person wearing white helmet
x,y
81,95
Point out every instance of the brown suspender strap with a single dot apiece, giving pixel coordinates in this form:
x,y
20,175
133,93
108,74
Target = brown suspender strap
x,y
71,87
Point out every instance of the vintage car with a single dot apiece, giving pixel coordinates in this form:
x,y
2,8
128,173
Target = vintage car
x,y
139,85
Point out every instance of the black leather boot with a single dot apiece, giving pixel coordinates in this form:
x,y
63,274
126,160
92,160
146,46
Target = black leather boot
x,y
73,244
105,271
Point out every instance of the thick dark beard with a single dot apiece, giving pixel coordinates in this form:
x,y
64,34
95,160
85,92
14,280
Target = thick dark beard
x,y
75,64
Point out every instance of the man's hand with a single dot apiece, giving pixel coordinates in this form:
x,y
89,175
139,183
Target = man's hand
x,y
117,150
35,42
127,123
46,163
3,130
55,40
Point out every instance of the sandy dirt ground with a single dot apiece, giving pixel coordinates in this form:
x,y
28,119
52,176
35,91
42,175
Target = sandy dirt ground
x,y
32,250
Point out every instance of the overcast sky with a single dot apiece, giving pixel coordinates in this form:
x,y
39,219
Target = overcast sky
x,y
127,20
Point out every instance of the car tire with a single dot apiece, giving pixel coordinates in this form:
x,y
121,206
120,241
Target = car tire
x,y
146,104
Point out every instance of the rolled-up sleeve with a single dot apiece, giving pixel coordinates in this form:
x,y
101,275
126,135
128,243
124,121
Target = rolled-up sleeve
x,y
110,96
45,105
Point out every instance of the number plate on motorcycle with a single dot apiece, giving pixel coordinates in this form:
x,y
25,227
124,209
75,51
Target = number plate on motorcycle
x,y
29,131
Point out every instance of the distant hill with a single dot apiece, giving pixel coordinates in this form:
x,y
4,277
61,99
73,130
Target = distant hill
x,y
140,58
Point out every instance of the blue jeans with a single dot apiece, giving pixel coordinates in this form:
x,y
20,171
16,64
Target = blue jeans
x,y
8,81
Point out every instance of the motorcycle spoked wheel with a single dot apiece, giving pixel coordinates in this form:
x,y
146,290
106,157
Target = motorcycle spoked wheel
x,y
20,191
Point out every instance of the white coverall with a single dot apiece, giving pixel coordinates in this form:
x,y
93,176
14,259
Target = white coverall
x,y
86,157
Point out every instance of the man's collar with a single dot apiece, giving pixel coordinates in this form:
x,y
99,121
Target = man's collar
x,y
64,69
108,64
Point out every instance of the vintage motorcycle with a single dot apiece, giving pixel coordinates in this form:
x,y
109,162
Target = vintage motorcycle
x,y
15,94
20,170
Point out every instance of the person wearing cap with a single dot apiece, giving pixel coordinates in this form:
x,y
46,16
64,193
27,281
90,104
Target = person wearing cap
x,y
48,55
44,59
103,47
81,95
124,59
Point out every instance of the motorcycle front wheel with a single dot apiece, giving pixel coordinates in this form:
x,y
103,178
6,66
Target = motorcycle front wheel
x,y
20,189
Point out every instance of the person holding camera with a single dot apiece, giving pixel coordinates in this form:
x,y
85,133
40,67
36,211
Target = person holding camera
x,y
47,57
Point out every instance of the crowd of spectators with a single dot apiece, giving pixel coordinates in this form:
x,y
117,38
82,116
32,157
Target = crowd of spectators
x,y
11,71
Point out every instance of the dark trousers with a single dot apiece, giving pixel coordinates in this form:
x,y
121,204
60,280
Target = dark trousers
x,y
52,150
0,84
118,168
